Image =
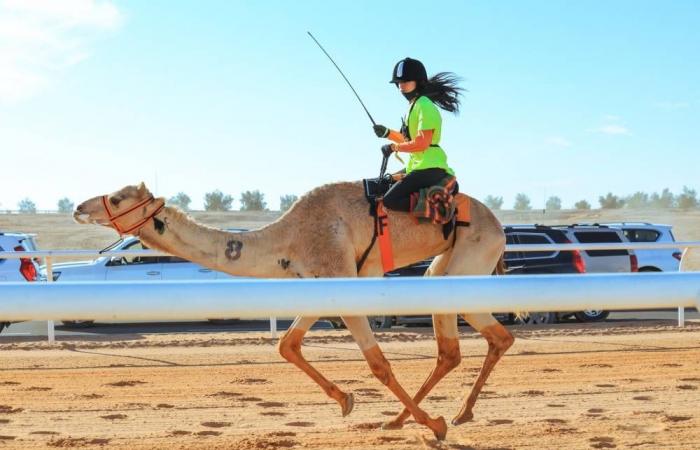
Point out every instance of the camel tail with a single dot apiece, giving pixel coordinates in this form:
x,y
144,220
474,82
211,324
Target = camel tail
x,y
500,269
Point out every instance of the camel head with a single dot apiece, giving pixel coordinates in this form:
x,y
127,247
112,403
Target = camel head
x,y
126,210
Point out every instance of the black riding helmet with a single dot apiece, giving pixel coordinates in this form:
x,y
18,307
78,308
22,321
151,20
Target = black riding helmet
x,y
409,69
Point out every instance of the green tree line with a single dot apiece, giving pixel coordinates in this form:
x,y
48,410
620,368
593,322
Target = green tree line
x,y
255,201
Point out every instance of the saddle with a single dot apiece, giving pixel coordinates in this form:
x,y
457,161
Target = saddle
x,y
375,188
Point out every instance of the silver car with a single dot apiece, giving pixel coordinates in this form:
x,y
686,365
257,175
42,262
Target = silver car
x,y
602,261
662,260
123,268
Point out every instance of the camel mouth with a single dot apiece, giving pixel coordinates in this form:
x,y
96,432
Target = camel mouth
x,y
81,218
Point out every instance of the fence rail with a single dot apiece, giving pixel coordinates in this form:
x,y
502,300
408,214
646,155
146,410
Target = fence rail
x,y
247,298
553,292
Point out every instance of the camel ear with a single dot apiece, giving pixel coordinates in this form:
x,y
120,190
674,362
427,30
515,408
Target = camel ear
x,y
141,187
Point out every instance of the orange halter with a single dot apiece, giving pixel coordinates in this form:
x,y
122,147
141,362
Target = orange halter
x,y
136,226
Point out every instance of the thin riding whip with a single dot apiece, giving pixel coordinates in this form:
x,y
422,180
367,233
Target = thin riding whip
x,y
349,84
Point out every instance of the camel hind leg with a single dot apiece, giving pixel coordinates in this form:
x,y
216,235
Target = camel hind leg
x,y
465,260
380,367
499,340
290,349
446,335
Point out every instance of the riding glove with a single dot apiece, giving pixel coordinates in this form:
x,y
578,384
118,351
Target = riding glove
x,y
381,131
387,150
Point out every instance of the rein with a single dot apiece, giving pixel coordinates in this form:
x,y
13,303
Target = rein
x,y
129,229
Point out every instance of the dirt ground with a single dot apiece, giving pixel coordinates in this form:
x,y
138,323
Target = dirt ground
x,y
566,386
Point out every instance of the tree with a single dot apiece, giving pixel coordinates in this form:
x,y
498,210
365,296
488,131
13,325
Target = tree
x,y
253,201
181,200
494,203
611,201
663,200
582,205
217,201
522,203
687,199
27,206
65,205
553,203
637,200
286,201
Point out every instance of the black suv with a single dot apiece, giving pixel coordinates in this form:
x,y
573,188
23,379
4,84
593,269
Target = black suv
x,y
516,263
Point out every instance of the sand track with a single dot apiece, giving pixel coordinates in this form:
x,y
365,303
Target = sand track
x,y
559,387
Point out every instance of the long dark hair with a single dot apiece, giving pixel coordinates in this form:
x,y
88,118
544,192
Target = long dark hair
x,y
443,90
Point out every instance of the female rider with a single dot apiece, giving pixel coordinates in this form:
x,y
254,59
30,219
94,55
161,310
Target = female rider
x,y
420,132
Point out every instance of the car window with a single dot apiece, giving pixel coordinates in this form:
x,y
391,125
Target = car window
x,y
173,259
636,235
509,256
532,238
129,260
595,237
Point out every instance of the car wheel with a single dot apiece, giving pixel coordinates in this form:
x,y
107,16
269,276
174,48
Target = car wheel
x,y
380,322
537,318
592,315
78,323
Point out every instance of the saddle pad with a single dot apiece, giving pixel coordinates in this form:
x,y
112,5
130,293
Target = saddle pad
x,y
464,210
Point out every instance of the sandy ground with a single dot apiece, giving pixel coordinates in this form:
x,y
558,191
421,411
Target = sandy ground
x,y
565,386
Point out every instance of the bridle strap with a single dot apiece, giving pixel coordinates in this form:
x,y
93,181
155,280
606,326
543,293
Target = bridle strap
x,y
113,217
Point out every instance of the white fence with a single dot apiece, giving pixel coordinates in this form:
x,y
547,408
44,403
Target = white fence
x,y
257,298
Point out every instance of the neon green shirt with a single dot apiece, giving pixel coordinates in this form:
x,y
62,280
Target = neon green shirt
x,y
424,115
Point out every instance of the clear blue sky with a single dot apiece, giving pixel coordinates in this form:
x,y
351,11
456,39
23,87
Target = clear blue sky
x,y
564,98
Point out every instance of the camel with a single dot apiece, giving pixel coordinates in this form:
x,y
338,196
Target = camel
x,y
324,234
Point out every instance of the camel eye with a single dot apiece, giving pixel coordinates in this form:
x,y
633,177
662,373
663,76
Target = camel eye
x,y
115,200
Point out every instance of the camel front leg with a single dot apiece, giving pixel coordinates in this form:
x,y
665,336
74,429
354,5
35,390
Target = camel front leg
x,y
499,340
290,349
359,327
445,326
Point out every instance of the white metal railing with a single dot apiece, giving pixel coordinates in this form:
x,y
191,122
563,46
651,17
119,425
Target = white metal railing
x,y
48,255
248,298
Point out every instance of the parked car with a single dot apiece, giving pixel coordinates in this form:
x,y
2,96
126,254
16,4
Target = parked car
x,y
663,260
539,262
602,261
122,268
23,269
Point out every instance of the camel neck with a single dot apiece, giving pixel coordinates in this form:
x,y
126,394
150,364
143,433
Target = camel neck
x,y
251,253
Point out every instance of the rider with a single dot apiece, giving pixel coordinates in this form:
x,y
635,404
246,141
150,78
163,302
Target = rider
x,y
420,130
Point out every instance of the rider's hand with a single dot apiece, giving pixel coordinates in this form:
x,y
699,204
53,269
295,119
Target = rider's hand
x,y
387,150
397,176
381,131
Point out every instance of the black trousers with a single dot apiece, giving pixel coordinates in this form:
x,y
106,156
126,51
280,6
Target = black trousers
x,y
398,197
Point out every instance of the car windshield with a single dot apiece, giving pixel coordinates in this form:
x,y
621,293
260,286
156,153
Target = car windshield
x,y
111,247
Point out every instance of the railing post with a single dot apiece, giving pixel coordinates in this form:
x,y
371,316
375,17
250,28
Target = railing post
x,y
273,327
50,330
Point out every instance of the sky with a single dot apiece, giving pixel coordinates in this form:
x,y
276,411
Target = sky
x,y
573,99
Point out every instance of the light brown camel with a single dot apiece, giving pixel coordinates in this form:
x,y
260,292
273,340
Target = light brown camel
x,y
324,234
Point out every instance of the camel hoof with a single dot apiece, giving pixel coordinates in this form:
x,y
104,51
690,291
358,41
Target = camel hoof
x,y
392,425
347,404
462,418
440,430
